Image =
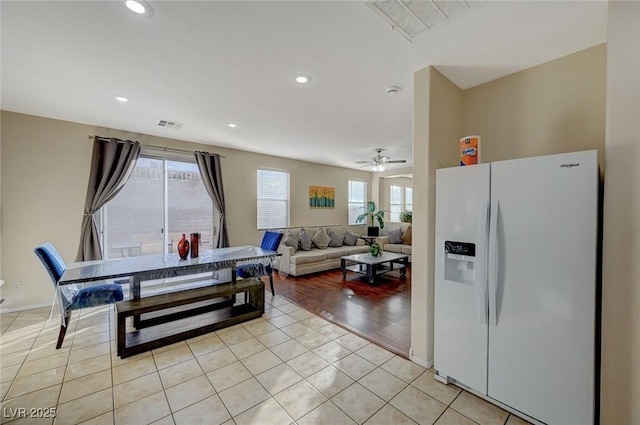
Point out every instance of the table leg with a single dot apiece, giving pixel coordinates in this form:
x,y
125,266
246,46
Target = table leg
x,y
344,268
371,272
403,271
234,279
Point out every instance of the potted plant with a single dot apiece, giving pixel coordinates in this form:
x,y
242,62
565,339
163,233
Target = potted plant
x,y
375,249
406,216
371,215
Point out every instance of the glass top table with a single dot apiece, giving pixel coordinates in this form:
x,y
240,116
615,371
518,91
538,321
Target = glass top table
x,y
159,266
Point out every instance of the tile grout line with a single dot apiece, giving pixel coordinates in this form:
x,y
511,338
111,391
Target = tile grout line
x,y
243,326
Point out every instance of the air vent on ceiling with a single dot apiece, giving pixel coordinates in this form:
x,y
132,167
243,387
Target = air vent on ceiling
x,y
413,17
170,124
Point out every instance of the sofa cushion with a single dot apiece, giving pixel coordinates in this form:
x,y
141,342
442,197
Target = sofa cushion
x,y
290,239
336,239
395,236
359,249
397,248
406,236
350,238
334,253
304,240
320,238
308,257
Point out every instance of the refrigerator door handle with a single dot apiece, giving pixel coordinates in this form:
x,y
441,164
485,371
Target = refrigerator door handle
x,y
481,270
493,262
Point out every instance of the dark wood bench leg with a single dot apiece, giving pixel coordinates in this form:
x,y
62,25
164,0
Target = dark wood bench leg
x,y
121,334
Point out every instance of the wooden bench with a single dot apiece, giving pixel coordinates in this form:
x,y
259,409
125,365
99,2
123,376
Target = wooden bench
x,y
209,308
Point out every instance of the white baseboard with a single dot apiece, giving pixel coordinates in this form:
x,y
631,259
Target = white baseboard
x,y
424,363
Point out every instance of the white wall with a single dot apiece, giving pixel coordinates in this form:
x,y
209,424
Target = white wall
x,y
44,172
621,283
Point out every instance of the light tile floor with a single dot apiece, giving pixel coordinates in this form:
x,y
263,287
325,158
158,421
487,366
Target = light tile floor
x,y
289,367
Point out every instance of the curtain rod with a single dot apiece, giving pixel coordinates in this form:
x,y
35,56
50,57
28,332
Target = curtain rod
x,y
162,148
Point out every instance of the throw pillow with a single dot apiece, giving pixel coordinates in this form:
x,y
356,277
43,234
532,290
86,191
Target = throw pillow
x,y
406,236
395,236
304,240
291,240
321,239
350,238
336,239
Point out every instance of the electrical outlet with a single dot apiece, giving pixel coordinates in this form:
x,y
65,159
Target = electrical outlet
x,y
17,286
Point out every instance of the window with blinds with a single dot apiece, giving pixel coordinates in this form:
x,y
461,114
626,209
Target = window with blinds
x,y
273,199
357,199
408,198
396,202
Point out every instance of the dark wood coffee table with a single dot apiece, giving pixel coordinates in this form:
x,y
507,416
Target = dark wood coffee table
x,y
371,266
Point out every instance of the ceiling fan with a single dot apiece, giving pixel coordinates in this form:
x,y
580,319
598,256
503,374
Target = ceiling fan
x,y
379,161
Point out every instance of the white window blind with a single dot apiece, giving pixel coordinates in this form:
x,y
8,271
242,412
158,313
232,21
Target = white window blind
x,y
357,199
396,203
273,199
408,199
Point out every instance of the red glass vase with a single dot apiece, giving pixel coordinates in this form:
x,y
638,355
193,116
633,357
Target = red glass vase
x,y
195,243
183,247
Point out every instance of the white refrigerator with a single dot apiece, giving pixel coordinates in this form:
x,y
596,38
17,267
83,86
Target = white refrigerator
x,y
516,284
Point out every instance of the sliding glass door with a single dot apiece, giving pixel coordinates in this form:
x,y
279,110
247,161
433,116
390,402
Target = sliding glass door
x,y
163,199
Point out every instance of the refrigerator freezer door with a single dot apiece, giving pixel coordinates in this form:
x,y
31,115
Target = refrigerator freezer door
x,y
541,333
460,317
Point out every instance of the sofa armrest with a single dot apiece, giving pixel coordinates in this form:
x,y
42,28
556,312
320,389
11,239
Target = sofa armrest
x,y
285,259
359,242
382,240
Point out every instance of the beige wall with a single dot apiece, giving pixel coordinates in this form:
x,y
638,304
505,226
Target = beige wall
x,y
551,108
437,120
621,275
45,167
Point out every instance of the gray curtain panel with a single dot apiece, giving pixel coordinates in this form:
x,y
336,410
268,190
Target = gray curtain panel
x,y
211,172
112,163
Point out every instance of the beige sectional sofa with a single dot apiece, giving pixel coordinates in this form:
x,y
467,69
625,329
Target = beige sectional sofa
x,y
297,261
400,247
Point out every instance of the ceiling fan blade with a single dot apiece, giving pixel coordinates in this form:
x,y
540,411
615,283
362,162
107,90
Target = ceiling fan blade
x,y
364,162
397,161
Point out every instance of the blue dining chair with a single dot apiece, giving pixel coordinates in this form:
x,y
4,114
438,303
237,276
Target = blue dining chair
x,y
270,241
74,297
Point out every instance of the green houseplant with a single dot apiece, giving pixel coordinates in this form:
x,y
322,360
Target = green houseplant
x,y
406,216
375,249
371,216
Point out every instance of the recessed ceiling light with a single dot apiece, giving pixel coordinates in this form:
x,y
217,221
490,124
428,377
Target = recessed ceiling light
x,y
139,7
303,79
122,99
391,90
232,125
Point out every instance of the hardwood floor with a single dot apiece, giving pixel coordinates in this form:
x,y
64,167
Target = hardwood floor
x,y
380,313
